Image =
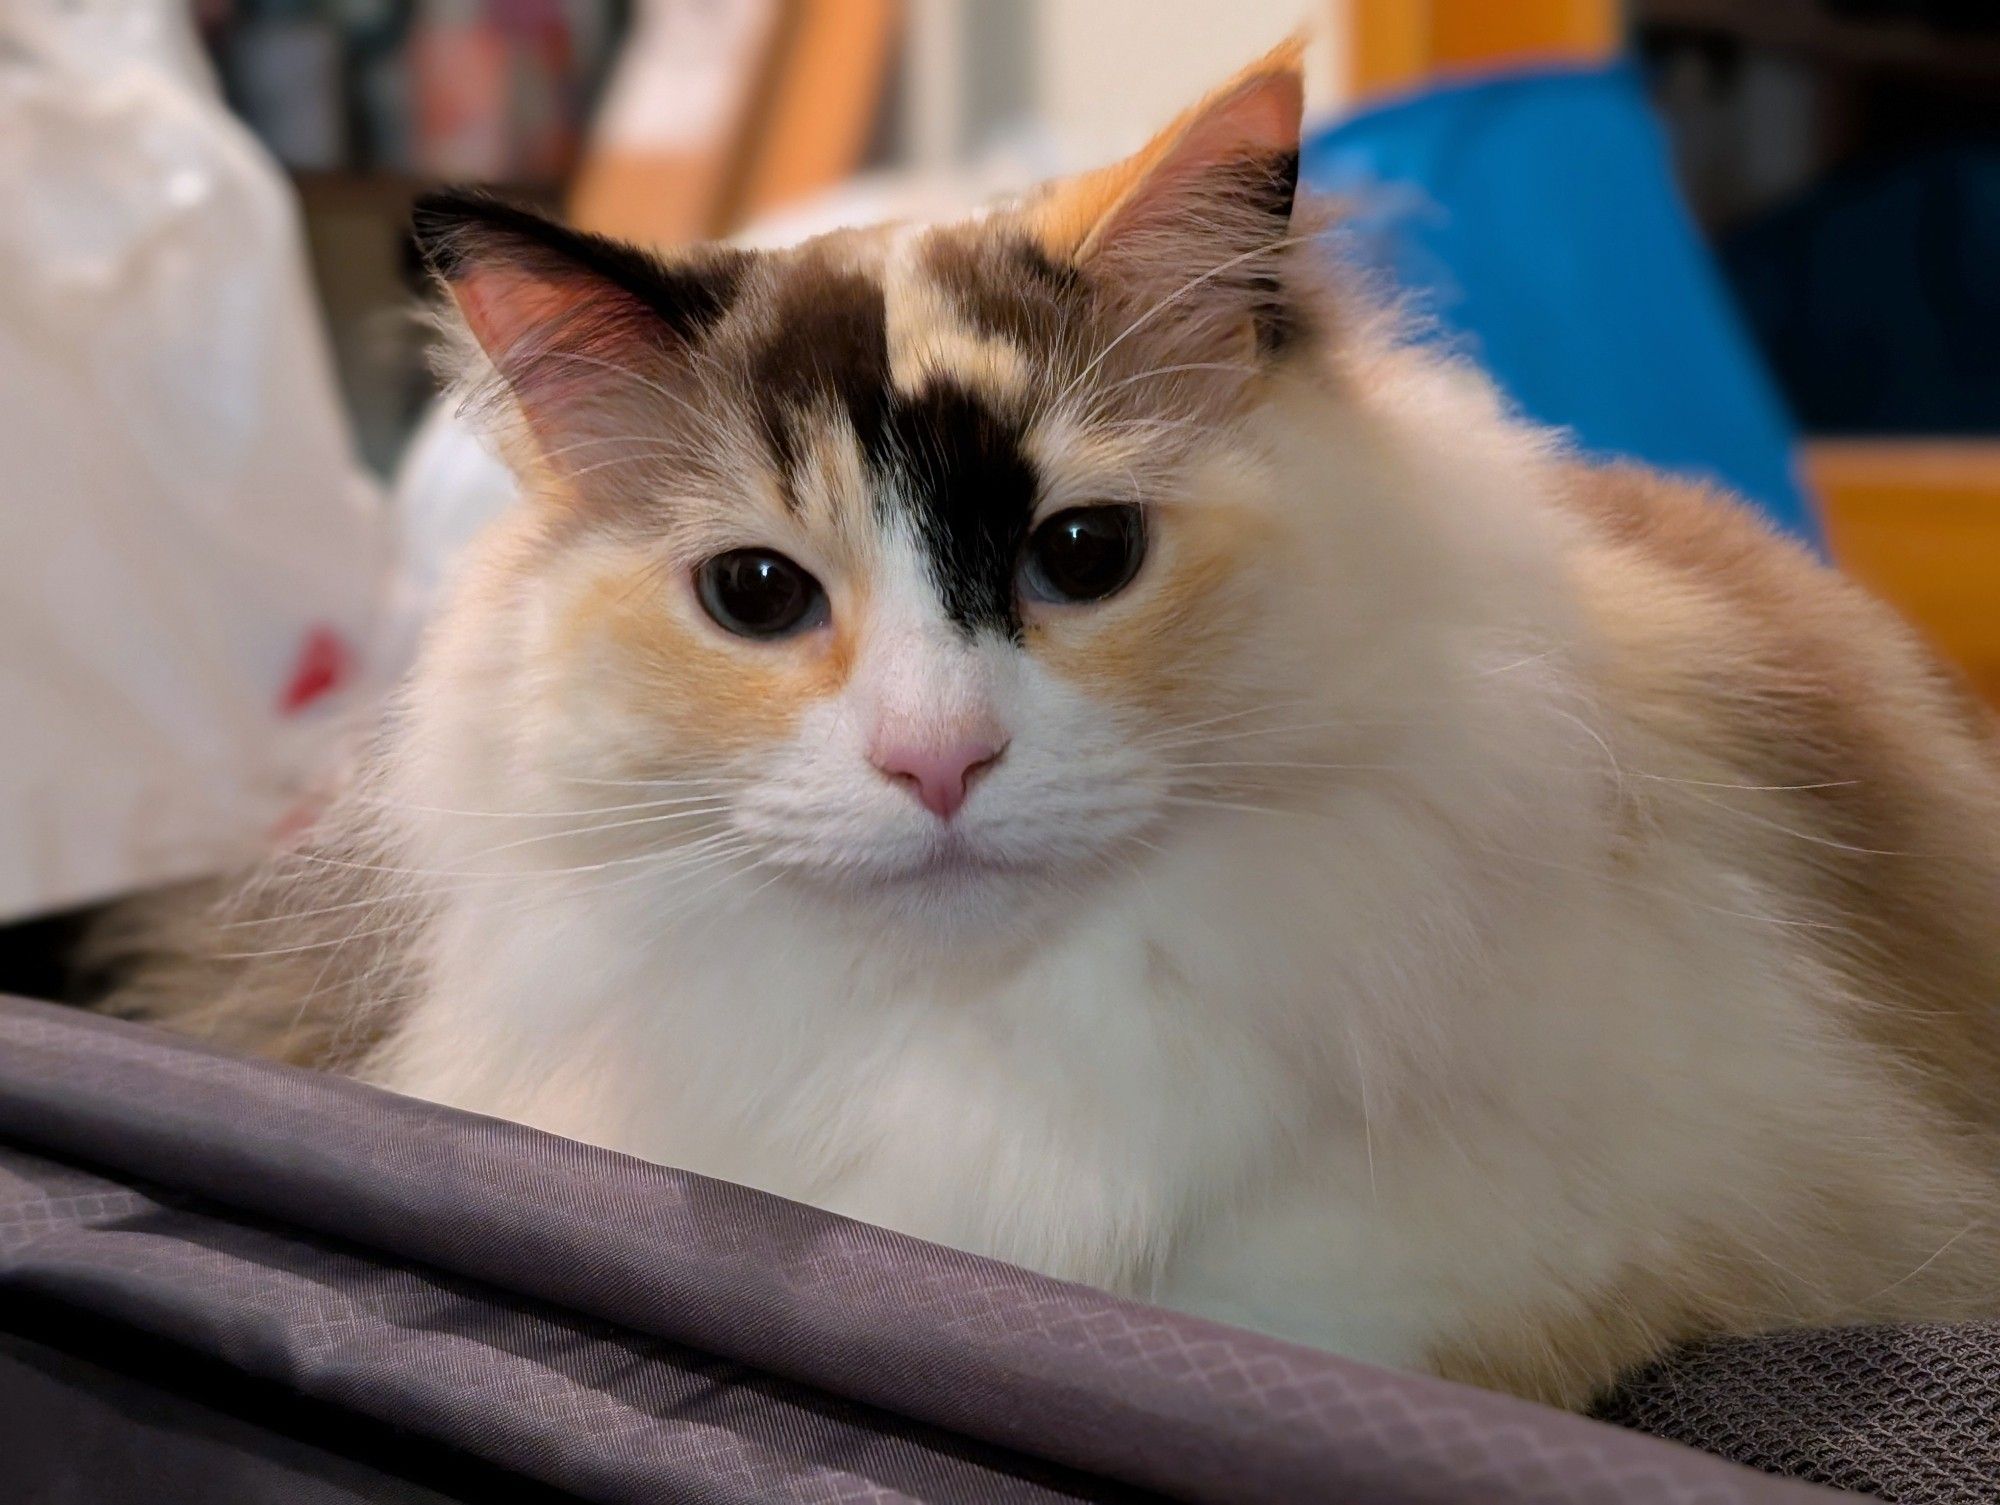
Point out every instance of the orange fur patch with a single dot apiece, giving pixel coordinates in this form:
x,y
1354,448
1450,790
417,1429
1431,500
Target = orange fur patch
x,y
1729,640
1152,647
710,695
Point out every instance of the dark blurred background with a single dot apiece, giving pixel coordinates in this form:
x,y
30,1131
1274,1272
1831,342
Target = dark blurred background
x,y
1842,155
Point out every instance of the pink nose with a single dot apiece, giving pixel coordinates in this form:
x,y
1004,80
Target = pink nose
x,y
938,777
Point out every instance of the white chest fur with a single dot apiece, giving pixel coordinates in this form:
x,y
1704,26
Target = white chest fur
x,y
1347,1131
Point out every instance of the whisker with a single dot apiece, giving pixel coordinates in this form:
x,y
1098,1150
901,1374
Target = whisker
x,y
709,422
532,814
652,442
1617,772
721,781
713,808
1159,371
1226,716
324,860
1940,1252
1283,763
692,859
1520,663
1755,788
1785,830
1167,302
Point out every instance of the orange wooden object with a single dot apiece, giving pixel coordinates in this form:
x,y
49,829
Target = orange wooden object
x,y
1394,45
825,95
723,111
679,119
1918,521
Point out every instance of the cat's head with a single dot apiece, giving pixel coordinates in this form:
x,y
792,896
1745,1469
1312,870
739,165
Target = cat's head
x,y
921,563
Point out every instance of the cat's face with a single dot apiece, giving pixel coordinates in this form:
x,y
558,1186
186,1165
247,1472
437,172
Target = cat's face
x,y
911,562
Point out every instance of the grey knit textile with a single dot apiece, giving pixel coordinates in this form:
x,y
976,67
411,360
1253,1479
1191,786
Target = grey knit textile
x,y
1906,1414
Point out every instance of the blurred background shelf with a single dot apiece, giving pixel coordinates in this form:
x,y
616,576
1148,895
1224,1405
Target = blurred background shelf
x,y
1396,45
1844,158
1919,521
369,102
1836,153
1952,39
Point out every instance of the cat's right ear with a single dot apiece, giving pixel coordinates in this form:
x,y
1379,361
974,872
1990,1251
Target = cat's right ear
x,y
564,317
1196,223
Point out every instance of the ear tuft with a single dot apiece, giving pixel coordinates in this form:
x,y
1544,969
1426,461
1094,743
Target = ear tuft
x,y
1236,150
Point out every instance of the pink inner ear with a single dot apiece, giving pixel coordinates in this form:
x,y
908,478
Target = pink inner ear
x,y
503,306
1257,119
1260,118
552,338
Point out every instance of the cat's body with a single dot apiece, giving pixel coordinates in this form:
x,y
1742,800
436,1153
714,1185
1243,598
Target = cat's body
x,y
1468,910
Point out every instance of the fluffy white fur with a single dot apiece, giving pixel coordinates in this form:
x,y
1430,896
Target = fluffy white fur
x,y
1448,980
1394,1041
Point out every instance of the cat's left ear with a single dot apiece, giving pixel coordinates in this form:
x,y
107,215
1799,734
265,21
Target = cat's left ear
x,y
575,325
1205,206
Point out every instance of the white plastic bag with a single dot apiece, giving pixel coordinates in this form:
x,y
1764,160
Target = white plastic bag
x,y
192,556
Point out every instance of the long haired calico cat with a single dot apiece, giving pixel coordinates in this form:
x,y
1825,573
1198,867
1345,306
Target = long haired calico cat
x,y
1057,734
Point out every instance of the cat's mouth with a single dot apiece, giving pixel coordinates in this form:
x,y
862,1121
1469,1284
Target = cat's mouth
x,y
952,862
942,864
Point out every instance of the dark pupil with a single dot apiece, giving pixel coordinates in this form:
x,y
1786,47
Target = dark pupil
x,y
755,593
1087,553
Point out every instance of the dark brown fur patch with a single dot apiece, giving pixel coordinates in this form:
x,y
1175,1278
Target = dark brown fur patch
x,y
941,459
968,489
822,346
1008,287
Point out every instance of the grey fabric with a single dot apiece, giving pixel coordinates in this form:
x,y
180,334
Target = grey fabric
x,y
1910,1414
603,1413
78,1432
627,1332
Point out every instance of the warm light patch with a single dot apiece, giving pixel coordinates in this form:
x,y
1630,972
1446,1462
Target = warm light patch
x,y
707,696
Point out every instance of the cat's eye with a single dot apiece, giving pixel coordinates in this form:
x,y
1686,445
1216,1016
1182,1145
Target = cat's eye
x,y
755,593
1084,553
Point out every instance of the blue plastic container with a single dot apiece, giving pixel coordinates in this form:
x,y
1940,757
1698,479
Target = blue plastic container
x,y
1534,218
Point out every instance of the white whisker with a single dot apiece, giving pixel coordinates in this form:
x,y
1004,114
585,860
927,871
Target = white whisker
x,y
1168,302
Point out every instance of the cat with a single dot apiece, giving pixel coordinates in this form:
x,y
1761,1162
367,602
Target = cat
x,y
1062,733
